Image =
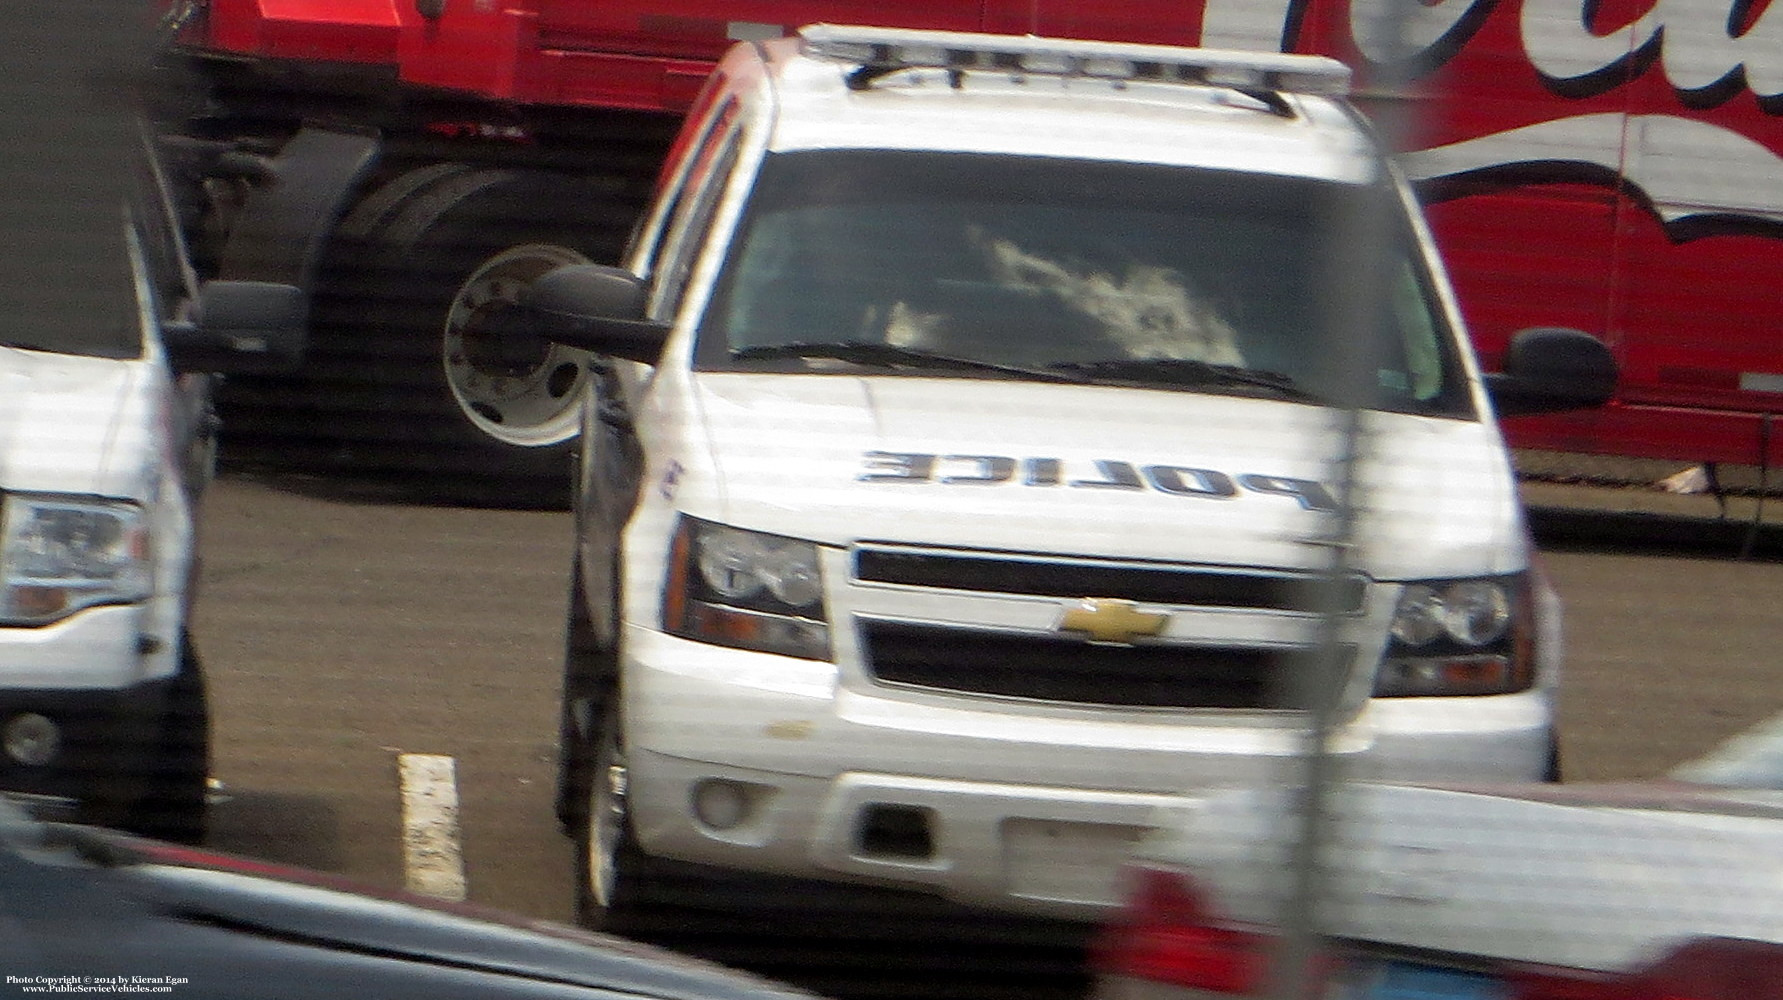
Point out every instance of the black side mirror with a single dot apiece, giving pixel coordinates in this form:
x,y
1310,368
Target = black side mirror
x,y
1553,369
240,327
595,308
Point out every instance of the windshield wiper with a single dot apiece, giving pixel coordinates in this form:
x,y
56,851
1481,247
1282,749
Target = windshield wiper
x,y
879,355
1189,372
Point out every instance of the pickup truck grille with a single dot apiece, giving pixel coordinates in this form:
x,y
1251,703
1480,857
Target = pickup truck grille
x,y
1185,586
1067,669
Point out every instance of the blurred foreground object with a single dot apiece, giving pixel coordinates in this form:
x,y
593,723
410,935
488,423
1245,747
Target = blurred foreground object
x,y
1666,889
87,908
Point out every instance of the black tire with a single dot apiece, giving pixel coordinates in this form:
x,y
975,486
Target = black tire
x,y
610,870
591,746
401,377
679,904
176,786
572,768
312,419
590,670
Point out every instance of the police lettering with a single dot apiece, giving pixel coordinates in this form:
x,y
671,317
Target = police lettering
x,y
1101,474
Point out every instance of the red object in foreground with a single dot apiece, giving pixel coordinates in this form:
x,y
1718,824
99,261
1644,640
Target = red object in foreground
x,y
1167,934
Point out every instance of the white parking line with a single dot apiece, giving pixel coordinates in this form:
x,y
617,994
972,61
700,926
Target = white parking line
x,y
433,864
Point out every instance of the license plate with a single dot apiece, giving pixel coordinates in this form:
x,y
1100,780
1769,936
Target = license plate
x,y
1412,981
1069,862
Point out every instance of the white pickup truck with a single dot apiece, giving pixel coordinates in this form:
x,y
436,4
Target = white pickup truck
x,y
106,435
956,495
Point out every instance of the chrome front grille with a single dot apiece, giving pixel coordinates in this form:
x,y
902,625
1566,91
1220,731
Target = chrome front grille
x,y
1246,661
1146,583
1061,669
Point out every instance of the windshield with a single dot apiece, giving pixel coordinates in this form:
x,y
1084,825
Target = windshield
x,y
66,139
1108,272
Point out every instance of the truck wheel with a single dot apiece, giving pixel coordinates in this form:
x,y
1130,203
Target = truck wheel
x,y
173,807
422,272
608,863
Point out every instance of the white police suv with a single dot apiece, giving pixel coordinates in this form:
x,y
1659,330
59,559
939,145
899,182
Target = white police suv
x,y
106,346
960,490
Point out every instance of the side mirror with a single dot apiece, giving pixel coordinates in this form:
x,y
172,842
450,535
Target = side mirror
x,y
595,308
240,327
1550,370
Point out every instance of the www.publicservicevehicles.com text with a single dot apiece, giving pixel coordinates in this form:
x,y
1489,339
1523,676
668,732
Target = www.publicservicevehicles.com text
x,y
96,984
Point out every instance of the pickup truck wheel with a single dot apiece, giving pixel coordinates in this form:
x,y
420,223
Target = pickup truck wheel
x,y
177,782
608,863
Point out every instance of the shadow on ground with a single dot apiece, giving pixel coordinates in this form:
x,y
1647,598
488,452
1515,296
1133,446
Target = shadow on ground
x,y
338,484
1584,529
859,942
297,830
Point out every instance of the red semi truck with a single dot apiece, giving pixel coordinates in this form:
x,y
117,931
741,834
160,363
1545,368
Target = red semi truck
x,y
1613,165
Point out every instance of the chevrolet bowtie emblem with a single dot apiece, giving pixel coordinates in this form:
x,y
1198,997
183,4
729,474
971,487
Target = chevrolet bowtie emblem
x,y
1106,620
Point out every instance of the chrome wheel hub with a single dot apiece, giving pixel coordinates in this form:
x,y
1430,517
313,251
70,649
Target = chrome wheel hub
x,y
519,391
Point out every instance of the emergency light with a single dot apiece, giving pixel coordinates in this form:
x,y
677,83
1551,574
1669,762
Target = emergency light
x,y
891,49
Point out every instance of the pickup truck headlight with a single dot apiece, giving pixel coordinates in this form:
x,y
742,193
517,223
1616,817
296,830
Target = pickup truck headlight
x,y
1460,637
61,554
746,589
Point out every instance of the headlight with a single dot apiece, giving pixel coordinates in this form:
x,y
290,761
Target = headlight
x,y
1460,637
738,565
746,589
61,554
1469,612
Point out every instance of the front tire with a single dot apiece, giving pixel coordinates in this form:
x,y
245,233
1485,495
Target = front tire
x,y
174,804
590,669
609,866
591,784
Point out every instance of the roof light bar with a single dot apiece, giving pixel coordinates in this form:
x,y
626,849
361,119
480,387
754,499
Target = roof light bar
x,y
890,49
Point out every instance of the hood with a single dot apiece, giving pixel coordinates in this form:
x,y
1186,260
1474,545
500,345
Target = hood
x,y
76,424
1603,877
1092,470
256,899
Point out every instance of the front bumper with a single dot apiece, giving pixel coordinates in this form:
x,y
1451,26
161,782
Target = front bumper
x,y
757,762
85,676
108,745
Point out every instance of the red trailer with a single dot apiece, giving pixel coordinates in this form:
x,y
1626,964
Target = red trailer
x,y
1612,165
